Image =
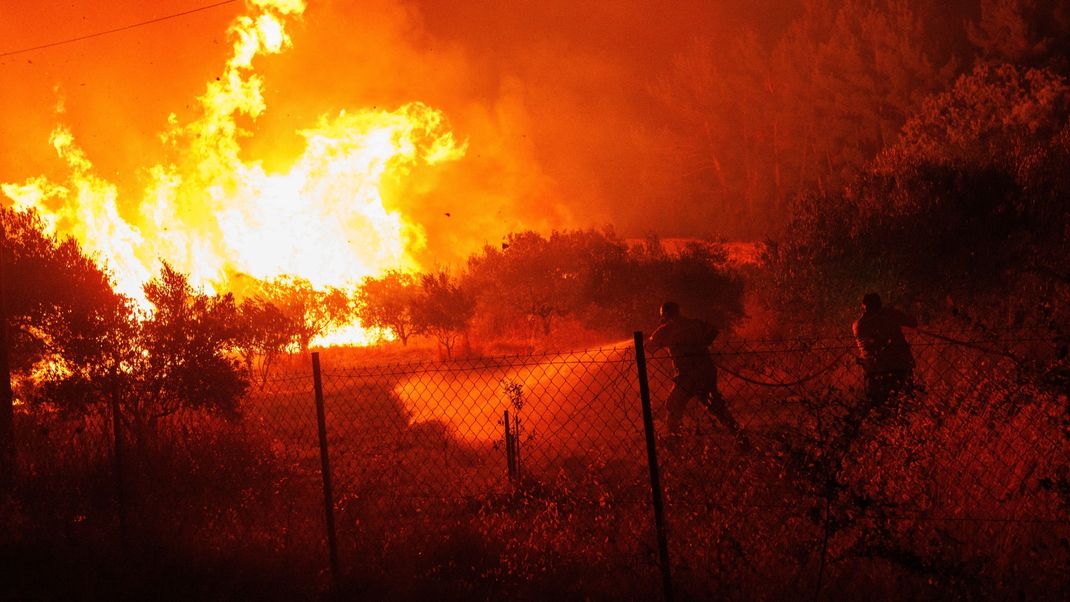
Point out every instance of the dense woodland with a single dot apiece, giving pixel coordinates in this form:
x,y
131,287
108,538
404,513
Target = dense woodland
x,y
759,118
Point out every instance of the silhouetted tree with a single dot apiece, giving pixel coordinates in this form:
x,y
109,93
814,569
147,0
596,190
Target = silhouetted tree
x,y
184,358
264,334
66,326
58,301
539,278
599,280
527,278
697,277
7,397
154,362
443,309
314,311
387,303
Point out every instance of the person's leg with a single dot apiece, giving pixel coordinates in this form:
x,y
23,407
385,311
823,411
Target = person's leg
x,y
899,386
676,405
717,406
878,387
874,386
874,397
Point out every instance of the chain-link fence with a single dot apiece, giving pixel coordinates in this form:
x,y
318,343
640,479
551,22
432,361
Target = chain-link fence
x,y
531,467
947,488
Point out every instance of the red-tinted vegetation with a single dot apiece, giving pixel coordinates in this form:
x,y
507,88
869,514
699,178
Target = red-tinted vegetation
x,y
175,449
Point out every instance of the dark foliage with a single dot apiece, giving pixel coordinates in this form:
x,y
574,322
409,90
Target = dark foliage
x,y
184,344
311,311
599,280
59,303
967,203
177,356
387,303
443,309
264,334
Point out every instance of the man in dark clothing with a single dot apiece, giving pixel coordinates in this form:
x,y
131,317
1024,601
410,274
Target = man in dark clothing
x,y
688,340
883,351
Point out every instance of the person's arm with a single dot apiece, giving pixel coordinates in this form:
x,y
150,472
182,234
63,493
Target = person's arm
x,y
859,344
658,339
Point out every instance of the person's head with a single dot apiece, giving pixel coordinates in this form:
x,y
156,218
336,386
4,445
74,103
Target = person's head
x,y
871,302
669,310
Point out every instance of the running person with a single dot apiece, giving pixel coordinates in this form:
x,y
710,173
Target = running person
x,y
688,341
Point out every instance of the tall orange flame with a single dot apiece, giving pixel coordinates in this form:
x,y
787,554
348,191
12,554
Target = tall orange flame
x,y
213,214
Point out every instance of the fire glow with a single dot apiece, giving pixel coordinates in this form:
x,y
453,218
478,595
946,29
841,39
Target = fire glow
x,y
214,215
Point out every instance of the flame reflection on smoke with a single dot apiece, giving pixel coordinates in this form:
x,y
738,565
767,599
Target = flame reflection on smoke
x,y
213,214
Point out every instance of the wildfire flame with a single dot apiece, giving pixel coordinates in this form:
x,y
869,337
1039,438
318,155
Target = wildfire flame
x,y
212,214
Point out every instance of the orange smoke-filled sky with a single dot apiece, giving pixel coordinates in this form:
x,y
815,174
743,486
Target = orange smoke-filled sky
x,y
552,97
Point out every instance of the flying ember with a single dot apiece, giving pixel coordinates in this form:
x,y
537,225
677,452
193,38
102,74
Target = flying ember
x,y
215,215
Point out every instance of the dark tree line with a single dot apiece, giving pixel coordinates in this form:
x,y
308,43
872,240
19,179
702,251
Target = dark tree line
x,y
757,122
75,343
970,202
528,285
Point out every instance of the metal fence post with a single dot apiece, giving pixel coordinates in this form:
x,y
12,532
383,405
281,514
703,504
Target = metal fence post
x,y
325,468
652,461
510,453
516,445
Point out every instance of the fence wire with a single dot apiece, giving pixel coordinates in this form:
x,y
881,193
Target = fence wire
x,y
949,485
960,485
439,430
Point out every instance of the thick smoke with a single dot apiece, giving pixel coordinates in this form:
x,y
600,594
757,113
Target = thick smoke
x,y
554,98
558,99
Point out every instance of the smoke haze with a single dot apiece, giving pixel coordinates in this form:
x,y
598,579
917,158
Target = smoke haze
x,y
557,100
